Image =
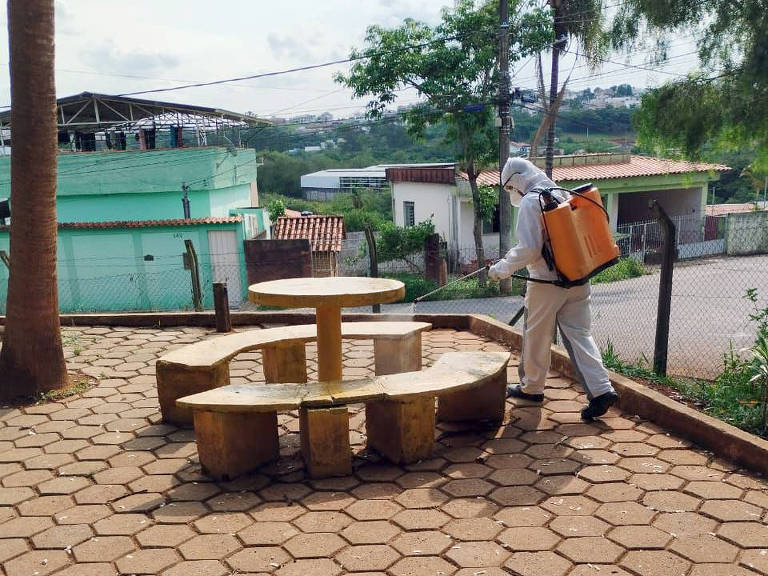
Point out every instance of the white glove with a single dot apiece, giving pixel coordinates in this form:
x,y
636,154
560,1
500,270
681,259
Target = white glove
x,y
493,273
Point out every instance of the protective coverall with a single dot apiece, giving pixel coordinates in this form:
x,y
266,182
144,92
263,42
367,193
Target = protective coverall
x,y
548,306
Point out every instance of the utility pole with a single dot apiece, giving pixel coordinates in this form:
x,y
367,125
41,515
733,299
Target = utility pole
x,y
505,207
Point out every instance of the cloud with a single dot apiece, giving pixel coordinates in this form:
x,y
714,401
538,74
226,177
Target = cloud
x,y
108,58
289,48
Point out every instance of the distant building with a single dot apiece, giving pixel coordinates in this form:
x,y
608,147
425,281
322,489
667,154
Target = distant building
x,y
135,183
327,184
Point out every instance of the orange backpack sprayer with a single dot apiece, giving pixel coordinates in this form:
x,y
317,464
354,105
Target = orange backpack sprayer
x,y
579,243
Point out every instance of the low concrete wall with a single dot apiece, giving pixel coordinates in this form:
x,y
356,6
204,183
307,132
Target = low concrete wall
x,y
747,233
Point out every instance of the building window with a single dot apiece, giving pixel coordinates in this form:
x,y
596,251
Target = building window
x,y
409,215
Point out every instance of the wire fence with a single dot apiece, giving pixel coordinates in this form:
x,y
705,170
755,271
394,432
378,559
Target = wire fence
x,y
718,261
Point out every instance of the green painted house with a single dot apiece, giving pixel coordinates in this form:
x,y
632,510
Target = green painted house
x,y
123,227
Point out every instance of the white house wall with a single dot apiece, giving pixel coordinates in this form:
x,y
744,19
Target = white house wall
x,y
429,201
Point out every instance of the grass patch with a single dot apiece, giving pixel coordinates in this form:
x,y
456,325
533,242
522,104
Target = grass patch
x,y
733,397
78,383
624,269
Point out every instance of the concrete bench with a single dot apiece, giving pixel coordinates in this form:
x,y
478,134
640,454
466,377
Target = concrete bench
x,y
236,425
205,365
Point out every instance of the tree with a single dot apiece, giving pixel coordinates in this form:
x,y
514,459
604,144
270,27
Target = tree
x,y
453,66
32,359
728,105
581,20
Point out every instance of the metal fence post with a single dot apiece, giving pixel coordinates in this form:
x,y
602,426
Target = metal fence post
x,y
197,294
661,344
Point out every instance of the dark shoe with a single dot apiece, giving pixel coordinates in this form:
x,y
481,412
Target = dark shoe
x,y
599,406
516,391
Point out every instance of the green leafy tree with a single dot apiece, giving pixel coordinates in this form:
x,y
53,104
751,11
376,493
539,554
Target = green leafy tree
x,y
276,209
453,67
728,104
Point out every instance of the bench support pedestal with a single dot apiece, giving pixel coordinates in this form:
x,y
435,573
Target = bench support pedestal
x,y
285,363
174,383
404,432
324,436
485,402
393,356
230,444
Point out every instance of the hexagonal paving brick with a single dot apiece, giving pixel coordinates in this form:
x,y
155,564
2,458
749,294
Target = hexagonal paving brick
x,y
514,477
315,545
328,501
276,512
570,506
654,563
374,532
209,547
315,567
523,516
614,492
422,566
24,527
517,496
367,558
11,548
420,519
640,537
469,507
468,487
593,550
704,548
170,536
258,559
528,539
103,548
428,543
656,481
122,524
45,505
625,513
731,510
477,529
573,526
149,561
745,534
685,524
419,498
590,569
90,569
713,490
62,536
222,523
477,554
537,564
198,568
373,509
670,501
39,563
322,522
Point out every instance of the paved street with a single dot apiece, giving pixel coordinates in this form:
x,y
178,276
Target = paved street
x,y
98,486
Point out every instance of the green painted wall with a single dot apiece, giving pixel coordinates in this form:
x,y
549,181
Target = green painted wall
x,y
146,184
106,270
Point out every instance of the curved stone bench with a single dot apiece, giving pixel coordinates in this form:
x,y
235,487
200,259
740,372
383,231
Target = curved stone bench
x,y
236,425
205,365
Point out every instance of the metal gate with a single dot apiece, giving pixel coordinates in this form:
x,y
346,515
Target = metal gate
x,y
225,263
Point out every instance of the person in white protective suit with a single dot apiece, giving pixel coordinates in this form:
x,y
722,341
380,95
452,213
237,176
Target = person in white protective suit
x,y
548,306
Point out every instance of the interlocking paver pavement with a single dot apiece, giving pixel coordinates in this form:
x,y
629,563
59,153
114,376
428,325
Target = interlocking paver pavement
x,y
97,485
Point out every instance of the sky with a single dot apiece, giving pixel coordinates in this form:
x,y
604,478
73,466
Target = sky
x,y
113,47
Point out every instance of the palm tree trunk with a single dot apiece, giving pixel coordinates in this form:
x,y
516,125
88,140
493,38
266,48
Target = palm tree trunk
x,y
553,82
32,360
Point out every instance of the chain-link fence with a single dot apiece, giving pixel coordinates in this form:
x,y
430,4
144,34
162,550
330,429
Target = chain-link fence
x,y
718,260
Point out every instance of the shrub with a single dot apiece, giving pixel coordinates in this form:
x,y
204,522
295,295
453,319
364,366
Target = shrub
x,y
625,268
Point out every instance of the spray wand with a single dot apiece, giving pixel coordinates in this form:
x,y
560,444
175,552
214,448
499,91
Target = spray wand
x,y
475,273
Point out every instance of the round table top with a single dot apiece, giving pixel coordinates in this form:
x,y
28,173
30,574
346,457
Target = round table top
x,y
337,291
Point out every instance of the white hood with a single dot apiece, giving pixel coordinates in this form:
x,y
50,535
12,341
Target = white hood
x,y
523,176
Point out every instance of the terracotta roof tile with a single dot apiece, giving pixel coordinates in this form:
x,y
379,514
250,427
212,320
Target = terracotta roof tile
x,y
325,233
637,166
145,223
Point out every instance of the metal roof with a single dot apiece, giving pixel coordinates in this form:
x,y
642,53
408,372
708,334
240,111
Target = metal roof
x,y
89,111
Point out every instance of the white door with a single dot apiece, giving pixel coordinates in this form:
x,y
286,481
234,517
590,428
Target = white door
x,y
225,263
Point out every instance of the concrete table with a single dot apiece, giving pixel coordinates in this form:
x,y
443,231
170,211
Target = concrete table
x,y
328,296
